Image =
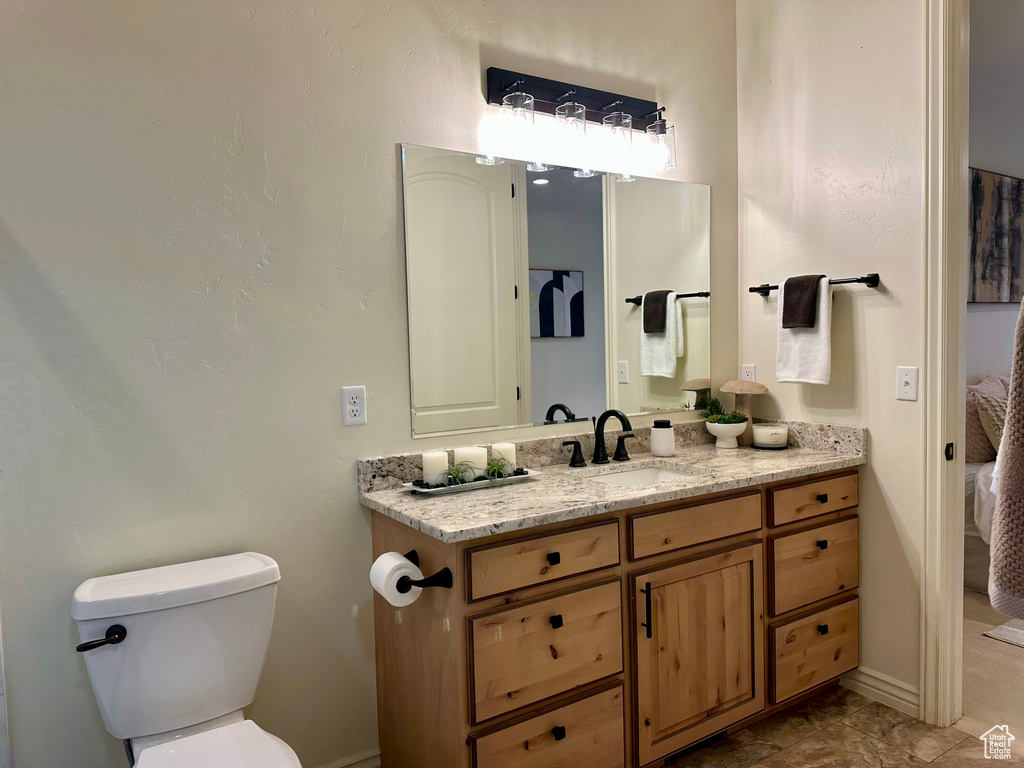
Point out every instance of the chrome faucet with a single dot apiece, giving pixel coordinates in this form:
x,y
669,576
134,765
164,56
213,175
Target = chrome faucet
x,y
600,450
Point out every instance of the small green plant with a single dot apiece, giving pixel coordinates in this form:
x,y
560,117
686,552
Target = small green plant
x,y
711,407
702,403
457,474
726,418
499,468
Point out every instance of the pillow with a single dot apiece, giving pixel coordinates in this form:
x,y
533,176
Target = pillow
x,y
977,446
992,414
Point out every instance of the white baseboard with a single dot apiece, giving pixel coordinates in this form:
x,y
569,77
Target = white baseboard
x,y
365,760
882,688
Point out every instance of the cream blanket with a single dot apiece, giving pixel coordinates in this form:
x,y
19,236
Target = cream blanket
x,y
1006,577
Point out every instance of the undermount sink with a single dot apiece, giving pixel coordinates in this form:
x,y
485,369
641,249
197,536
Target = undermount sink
x,y
637,477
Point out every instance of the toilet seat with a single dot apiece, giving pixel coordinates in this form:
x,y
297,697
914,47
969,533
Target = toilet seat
x,y
239,745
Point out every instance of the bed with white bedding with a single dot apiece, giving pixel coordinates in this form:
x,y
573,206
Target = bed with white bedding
x,y
979,506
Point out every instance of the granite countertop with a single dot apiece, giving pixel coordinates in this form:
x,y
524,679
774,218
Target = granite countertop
x,y
561,493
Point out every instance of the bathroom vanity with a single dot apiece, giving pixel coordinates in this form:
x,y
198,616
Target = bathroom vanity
x,y
599,622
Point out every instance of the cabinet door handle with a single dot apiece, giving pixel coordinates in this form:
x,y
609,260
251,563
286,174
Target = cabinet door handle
x,y
823,629
556,621
647,608
823,498
823,544
558,732
554,558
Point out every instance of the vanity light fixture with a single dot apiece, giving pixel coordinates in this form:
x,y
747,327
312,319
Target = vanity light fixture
x,y
488,160
663,137
519,106
620,124
561,135
572,121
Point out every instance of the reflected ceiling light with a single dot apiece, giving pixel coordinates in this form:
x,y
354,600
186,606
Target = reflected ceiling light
x,y
572,119
540,181
621,126
663,139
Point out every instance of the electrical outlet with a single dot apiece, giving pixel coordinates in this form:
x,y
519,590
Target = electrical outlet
x,y
353,401
748,372
907,382
623,371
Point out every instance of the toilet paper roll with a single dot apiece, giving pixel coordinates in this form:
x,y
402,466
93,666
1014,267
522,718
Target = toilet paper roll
x,y
385,573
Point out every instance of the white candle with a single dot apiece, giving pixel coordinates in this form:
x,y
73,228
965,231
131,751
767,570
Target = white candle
x,y
434,465
474,456
505,451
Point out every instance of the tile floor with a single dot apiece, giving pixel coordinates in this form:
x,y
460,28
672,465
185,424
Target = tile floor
x,y
842,729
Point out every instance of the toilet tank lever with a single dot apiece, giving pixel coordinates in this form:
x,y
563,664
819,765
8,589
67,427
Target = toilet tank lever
x,y
115,634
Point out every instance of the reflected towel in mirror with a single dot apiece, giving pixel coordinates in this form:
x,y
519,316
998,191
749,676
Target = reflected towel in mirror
x,y
660,351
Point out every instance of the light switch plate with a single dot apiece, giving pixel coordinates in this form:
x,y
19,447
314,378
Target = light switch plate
x,y
623,371
353,406
907,380
748,372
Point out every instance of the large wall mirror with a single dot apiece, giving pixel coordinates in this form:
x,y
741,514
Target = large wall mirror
x,y
518,285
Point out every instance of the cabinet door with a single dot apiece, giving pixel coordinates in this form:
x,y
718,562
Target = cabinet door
x,y
700,649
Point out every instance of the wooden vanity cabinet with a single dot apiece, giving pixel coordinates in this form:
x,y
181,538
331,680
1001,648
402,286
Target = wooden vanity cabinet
x,y
618,640
700,649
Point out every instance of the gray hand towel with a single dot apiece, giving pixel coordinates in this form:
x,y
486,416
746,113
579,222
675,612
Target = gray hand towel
x,y
1006,577
800,301
655,311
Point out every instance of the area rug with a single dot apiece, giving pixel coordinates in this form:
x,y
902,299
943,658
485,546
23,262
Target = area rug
x,y
1011,632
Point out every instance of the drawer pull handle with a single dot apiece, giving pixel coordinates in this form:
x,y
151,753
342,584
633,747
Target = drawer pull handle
x,y
556,621
823,629
823,498
823,544
558,732
647,606
554,558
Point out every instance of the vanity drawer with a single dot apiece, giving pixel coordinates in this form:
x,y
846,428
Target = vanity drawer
x,y
542,559
813,565
587,734
813,650
528,653
660,532
812,499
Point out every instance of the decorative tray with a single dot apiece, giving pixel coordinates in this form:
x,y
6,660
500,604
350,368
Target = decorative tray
x,y
476,485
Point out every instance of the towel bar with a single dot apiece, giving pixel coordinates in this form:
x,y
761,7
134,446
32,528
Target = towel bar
x,y
639,300
871,281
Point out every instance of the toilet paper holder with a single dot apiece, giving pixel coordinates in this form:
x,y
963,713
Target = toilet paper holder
x,y
442,578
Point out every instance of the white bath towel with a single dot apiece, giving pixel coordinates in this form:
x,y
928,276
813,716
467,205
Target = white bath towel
x,y
1006,576
804,355
660,351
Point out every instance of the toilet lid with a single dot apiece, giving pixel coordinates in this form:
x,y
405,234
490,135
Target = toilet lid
x,y
239,745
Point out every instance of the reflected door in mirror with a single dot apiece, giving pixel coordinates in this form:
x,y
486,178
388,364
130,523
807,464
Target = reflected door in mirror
x,y
461,222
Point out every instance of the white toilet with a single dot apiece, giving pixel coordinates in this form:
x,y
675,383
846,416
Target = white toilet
x,y
174,653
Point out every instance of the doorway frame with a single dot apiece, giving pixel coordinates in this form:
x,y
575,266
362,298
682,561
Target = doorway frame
x,y
947,123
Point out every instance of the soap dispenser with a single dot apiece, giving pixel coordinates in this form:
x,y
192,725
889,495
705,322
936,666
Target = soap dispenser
x,y
663,438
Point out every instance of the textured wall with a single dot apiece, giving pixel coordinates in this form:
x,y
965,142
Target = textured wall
x,y
200,242
831,155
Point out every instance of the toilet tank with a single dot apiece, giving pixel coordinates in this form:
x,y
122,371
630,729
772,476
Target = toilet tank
x,y
197,635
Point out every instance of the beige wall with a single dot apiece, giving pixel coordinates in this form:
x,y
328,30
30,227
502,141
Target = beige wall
x,y
200,243
831,158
